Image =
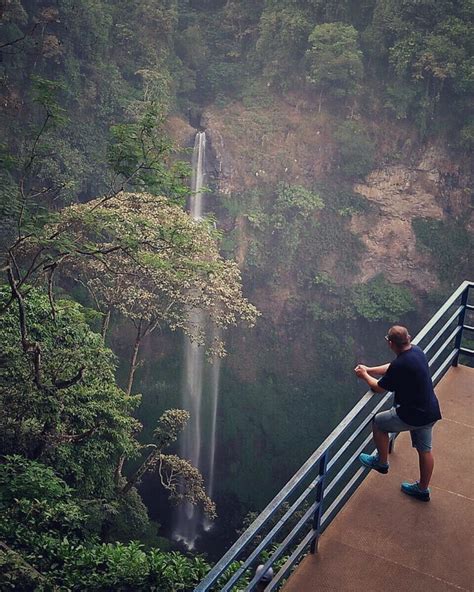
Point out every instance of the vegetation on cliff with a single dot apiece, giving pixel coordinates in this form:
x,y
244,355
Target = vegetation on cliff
x,y
94,236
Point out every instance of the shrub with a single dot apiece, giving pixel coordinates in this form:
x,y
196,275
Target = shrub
x,y
378,300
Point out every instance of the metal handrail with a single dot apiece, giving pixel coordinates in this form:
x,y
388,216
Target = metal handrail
x,y
324,460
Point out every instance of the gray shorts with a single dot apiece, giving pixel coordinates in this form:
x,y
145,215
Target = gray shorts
x,y
421,436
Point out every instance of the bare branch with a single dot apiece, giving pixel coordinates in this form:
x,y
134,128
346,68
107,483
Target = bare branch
x,y
50,290
21,309
63,384
105,324
34,572
62,438
27,34
142,469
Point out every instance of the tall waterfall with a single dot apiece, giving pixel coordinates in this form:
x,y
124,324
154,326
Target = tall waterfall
x,y
200,387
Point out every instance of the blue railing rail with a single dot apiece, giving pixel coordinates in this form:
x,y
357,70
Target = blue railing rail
x,y
319,489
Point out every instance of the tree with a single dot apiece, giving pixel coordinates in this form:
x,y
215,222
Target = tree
x,y
82,426
58,398
334,60
140,255
424,46
144,257
284,31
141,154
59,402
46,542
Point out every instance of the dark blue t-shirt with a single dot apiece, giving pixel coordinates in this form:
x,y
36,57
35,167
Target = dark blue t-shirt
x,y
409,377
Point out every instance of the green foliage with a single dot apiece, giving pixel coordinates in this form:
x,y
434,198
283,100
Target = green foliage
x,y
284,31
426,48
451,246
334,59
379,300
466,136
294,215
79,429
44,92
140,153
356,149
295,201
49,548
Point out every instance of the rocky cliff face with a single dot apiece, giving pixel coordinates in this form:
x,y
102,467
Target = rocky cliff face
x,y
291,142
432,188
294,144
284,142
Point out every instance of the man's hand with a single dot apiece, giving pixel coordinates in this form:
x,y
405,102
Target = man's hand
x,y
361,370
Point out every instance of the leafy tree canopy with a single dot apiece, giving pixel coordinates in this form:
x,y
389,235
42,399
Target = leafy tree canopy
x,y
46,545
78,429
379,300
334,59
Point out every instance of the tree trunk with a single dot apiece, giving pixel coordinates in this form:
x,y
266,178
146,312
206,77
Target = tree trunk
x,y
133,360
105,324
140,471
26,566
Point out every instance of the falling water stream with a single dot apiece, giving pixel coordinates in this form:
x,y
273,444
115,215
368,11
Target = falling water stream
x,y
200,387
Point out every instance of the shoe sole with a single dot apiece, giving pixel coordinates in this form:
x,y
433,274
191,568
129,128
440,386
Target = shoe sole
x,y
383,470
419,497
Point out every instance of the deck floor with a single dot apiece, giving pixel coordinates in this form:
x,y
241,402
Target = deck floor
x,y
384,540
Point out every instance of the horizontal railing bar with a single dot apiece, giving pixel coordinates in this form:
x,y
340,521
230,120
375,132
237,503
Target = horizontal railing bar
x,y
443,329
439,373
466,351
268,538
468,328
342,472
310,464
333,482
361,427
292,559
444,346
437,316
283,546
281,497
333,508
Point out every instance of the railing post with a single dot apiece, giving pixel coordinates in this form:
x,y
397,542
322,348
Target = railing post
x,y
462,314
323,463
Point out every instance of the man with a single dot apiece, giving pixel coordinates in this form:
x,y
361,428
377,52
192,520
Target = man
x,y
416,408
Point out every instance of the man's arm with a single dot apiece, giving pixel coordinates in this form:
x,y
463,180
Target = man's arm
x,y
363,372
374,370
378,370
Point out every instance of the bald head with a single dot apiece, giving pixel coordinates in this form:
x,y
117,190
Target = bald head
x,y
399,336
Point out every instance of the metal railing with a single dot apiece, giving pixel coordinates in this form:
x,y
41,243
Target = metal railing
x,y
292,522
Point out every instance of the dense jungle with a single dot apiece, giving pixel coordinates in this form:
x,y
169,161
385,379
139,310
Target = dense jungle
x,y
224,199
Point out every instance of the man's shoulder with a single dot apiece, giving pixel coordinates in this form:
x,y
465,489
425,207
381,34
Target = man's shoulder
x,y
414,353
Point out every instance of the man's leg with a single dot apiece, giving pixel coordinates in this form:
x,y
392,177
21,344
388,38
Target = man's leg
x,y
426,468
421,440
381,440
383,423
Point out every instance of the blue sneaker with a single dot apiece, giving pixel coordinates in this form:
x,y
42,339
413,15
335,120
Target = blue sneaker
x,y
414,490
372,461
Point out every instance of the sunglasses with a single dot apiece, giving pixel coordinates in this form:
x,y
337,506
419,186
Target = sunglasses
x,y
387,338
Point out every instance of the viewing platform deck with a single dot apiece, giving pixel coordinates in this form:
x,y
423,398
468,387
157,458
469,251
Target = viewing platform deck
x,y
383,539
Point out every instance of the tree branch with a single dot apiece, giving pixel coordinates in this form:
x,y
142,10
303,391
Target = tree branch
x,y
34,572
77,437
142,469
27,34
63,384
